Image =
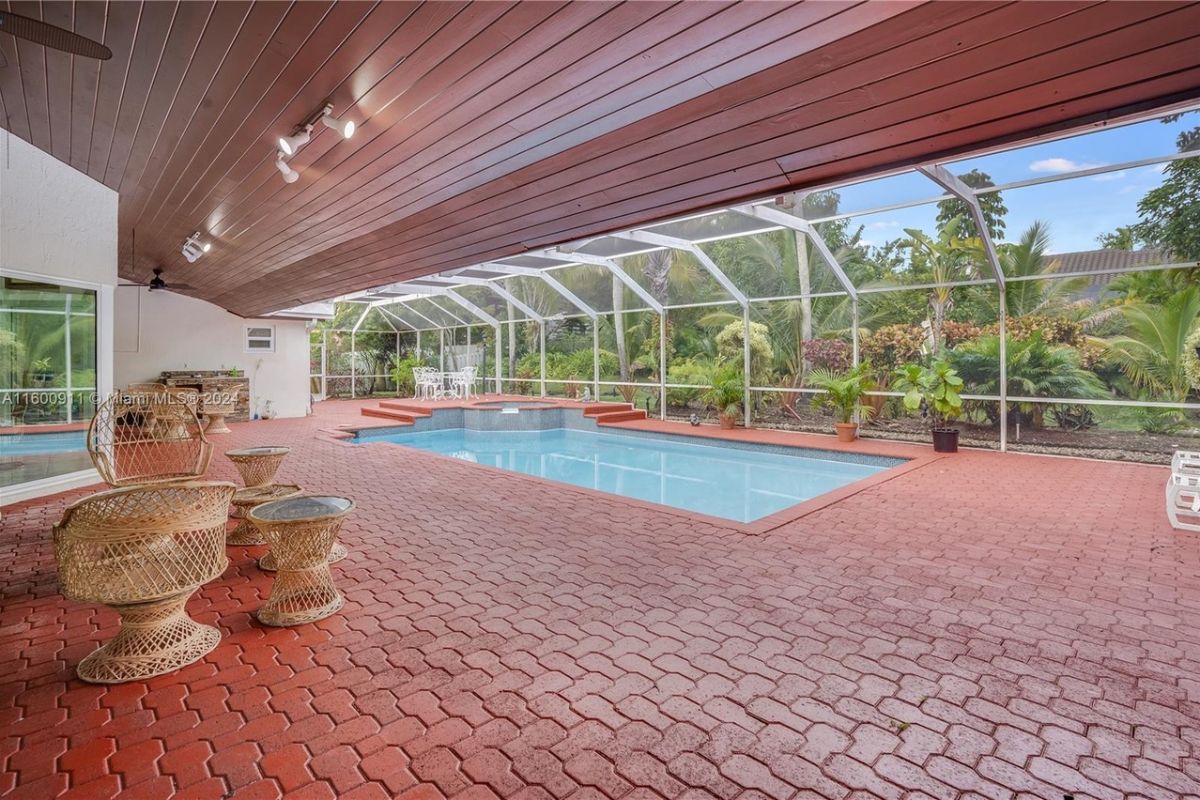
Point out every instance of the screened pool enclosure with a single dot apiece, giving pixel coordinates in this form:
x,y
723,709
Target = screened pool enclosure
x,y
1059,278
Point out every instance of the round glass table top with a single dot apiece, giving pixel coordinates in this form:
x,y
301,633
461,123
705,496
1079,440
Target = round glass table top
x,y
302,508
258,451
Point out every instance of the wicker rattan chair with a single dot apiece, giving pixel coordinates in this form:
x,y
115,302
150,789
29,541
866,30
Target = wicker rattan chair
x,y
144,550
140,437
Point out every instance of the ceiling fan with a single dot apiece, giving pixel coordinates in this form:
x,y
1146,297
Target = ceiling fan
x,y
47,35
155,284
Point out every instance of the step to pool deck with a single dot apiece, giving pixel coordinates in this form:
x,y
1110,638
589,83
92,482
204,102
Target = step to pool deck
x,y
402,413
609,413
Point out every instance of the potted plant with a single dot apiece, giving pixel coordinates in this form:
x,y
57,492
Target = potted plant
x,y
42,370
935,392
844,394
727,394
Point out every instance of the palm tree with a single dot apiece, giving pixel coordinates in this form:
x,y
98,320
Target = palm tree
x,y
948,258
1151,351
1026,259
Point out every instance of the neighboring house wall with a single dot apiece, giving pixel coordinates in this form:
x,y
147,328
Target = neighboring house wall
x,y
160,331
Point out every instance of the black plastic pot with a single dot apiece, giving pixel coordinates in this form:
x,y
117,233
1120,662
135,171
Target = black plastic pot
x,y
945,440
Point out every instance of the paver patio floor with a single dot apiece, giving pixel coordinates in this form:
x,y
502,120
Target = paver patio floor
x,y
983,625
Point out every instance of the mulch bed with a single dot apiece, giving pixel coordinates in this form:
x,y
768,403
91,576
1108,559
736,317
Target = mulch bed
x,y
1146,448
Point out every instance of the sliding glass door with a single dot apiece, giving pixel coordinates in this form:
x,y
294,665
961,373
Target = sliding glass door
x,y
47,378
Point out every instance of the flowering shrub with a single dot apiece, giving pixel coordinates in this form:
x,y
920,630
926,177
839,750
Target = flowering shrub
x,y
831,354
892,345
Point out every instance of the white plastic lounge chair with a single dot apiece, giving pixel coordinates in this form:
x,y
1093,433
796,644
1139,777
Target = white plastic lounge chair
x,y
1186,462
1183,501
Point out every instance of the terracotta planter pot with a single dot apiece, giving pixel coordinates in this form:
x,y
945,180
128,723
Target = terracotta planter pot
x,y
846,431
728,422
945,440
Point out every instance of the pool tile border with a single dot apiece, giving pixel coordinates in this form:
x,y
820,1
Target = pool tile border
x,y
558,417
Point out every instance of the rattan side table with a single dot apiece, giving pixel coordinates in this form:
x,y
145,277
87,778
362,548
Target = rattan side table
x,y
247,533
301,531
336,554
257,465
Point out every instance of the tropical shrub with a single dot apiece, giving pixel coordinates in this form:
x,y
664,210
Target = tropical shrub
x,y
1159,420
933,390
727,392
691,371
1053,330
402,374
1035,369
843,391
729,348
893,345
1191,359
1151,353
830,354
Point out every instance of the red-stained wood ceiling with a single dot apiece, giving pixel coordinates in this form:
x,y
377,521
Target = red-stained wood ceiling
x,y
486,129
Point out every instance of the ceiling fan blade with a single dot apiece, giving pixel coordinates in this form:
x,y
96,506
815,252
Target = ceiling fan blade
x,y
48,35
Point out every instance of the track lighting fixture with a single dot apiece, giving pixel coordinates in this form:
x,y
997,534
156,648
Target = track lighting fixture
x,y
343,127
193,248
290,144
289,175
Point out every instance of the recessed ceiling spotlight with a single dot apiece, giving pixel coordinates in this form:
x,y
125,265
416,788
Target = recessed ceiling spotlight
x,y
289,175
290,144
193,248
344,127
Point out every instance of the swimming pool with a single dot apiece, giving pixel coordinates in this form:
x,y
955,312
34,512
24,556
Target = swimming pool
x,y
742,483
24,444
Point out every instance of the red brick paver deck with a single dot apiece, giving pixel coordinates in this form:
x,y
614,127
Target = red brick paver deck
x,y
982,625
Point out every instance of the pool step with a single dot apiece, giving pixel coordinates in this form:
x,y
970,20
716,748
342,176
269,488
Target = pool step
x,y
401,417
411,409
595,409
619,416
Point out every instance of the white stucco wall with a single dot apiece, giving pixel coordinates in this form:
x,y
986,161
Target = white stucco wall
x,y
160,331
55,221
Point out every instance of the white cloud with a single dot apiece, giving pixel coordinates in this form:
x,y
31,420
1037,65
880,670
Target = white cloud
x,y
1055,165
883,224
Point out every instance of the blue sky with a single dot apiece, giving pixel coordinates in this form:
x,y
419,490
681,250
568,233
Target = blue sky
x,y
1078,210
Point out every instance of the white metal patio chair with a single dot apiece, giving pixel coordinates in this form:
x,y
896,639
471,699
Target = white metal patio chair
x,y
463,383
1183,501
472,374
425,382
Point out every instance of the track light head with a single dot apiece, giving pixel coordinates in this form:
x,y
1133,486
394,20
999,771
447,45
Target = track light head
x,y
344,127
289,175
192,248
290,144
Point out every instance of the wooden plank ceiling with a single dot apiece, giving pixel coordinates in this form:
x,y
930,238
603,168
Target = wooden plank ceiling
x,y
486,129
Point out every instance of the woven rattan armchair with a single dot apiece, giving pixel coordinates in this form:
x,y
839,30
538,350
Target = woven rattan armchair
x,y
142,437
144,551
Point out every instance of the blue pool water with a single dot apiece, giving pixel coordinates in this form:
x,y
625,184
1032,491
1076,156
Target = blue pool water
x,y
24,444
742,485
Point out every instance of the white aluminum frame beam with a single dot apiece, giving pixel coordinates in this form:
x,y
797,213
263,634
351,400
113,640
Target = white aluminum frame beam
x,y
612,267
493,286
551,281
774,215
401,320
954,185
675,243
